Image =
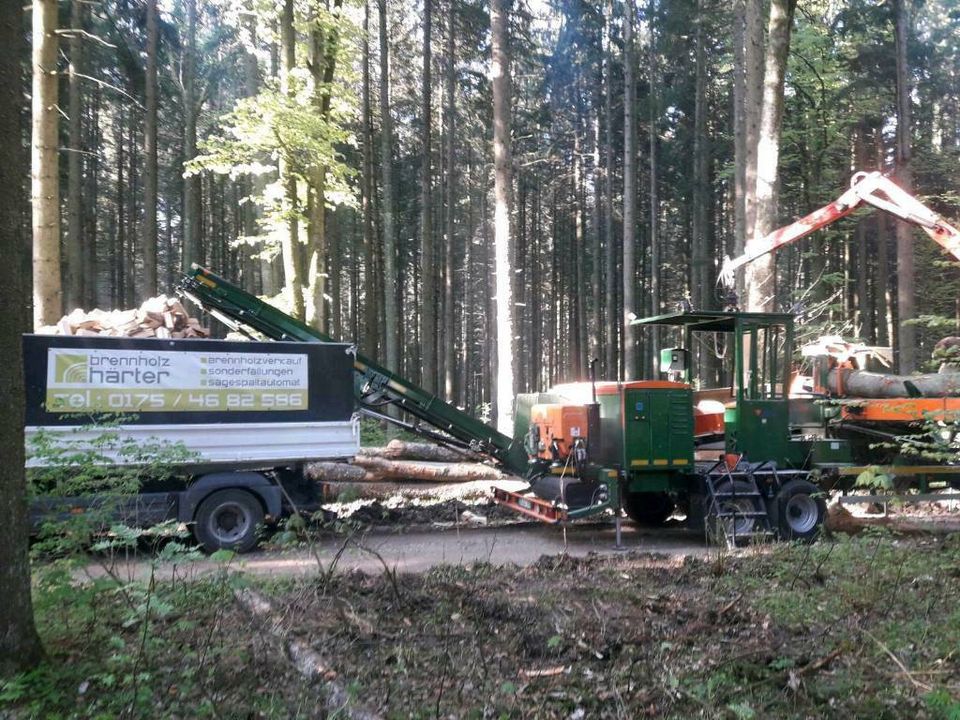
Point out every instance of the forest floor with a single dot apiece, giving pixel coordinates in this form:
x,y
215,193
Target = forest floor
x,y
863,627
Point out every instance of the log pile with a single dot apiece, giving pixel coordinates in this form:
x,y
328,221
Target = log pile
x,y
403,461
160,317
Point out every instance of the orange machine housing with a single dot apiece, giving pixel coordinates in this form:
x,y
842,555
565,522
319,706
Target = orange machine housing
x,y
563,423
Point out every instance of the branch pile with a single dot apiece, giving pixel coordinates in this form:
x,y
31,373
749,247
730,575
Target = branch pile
x,y
160,317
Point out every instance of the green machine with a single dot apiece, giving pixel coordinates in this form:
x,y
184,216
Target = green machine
x,y
589,448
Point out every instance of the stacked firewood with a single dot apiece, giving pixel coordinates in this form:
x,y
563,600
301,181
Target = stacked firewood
x,y
159,317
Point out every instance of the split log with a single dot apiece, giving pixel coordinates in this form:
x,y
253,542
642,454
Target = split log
x,y
401,450
858,383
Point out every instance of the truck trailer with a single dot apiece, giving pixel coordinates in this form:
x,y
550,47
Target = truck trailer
x,y
228,425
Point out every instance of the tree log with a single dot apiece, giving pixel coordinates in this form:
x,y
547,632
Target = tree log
x,y
401,450
379,470
858,383
383,469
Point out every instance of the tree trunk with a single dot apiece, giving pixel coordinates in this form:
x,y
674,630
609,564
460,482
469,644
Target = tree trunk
x,y
739,129
91,206
20,647
753,77
611,369
700,284
761,274
45,185
292,262
370,297
149,237
906,342
428,299
73,275
652,359
503,180
391,310
451,204
630,365
191,184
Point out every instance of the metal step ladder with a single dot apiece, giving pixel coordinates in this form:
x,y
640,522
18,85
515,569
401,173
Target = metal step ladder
x,y
738,514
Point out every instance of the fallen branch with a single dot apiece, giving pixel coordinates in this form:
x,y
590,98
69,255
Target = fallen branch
x,y
309,663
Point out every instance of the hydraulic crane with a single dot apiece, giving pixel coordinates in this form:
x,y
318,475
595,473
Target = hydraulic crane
x,y
866,188
376,387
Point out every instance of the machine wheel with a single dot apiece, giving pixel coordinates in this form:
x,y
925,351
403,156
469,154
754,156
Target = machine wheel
x,y
801,510
746,504
648,508
228,520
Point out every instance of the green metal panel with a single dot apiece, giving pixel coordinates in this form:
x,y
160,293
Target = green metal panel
x,y
658,429
760,431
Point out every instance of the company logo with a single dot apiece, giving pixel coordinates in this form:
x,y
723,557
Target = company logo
x,y
72,368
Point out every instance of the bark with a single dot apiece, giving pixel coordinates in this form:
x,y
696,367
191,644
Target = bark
x,y
882,291
20,647
379,469
700,281
45,181
858,383
761,274
611,367
428,302
149,237
651,360
370,299
73,271
292,263
405,450
391,309
450,110
503,179
753,78
596,254
91,206
630,365
191,184
739,129
906,343
325,46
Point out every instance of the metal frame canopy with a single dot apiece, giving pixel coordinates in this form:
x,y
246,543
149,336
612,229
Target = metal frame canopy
x,y
716,320
757,340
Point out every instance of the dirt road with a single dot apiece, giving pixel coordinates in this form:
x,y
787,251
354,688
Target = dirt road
x,y
417,551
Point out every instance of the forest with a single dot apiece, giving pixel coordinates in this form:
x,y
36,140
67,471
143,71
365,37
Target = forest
x,y
396,172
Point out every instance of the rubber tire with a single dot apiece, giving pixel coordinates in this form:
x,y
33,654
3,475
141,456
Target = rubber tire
x,y
648,508
740,486
796,490
204,526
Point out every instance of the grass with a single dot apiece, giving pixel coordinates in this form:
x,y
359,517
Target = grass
x,y
846,628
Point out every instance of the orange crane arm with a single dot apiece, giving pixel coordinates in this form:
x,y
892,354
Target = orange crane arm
x,y
871,188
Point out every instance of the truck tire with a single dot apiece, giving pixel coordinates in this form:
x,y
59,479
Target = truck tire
x,y
801,510
228,520
744,501
648,508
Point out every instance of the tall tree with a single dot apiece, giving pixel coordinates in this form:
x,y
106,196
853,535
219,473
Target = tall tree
x,y
73,275
366,200
630,366
450,128
191,183
45,185
761,274
390,305
292,256
906,341
20,646
503,179
428,270
149,238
